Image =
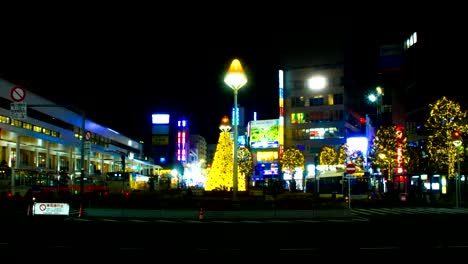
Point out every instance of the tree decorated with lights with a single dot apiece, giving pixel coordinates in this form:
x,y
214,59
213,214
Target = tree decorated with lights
x,y
445,118
245,161
387,149
220,176
292,160
328,156
343,155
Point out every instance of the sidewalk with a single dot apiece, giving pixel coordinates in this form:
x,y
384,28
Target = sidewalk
x,y
234,214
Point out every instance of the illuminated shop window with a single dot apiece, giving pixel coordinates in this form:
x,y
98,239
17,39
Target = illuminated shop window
x,y
297,118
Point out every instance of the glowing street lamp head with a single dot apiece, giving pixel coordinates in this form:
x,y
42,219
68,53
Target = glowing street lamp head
x,y
224,126
317,82
372,98
379,90
235,76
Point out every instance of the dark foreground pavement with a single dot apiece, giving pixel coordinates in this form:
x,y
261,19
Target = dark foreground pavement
x,y
210,215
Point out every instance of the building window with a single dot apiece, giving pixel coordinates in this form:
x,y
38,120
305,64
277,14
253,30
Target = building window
x,y
298,101
298,85
297,118
45,131
316,133
338,99
316,101
16,123
4,119
27,126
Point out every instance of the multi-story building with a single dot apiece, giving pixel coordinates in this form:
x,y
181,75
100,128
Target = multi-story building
x,y
195,171
415,69
198,148
163,142
41,141
316,113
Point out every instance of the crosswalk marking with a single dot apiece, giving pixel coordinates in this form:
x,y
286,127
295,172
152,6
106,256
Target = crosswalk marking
x,y
338,220
109,220
370,212
138,220
406,210
277,221
390,211
193,221
357,214
164,221
361,220
82,219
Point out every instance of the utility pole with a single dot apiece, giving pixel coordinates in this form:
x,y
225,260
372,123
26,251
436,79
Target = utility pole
x,y
83,132
457,187
457,141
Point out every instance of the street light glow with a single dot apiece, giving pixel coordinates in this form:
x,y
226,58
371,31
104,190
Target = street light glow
x,y
379,90
235,78
372,98
317,82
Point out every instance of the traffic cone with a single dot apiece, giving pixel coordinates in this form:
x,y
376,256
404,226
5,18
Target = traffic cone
x,y
81,213
29,211
201,214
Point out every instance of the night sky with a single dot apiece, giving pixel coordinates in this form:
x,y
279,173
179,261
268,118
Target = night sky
x,y
120,79
123,63
121,89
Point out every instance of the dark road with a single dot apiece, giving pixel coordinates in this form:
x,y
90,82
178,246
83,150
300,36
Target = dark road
x,y
422,235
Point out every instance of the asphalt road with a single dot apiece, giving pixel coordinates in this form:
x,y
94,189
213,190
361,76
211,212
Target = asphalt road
x,y
420,236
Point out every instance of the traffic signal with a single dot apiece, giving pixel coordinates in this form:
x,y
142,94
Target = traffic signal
x,y
456,135
362,120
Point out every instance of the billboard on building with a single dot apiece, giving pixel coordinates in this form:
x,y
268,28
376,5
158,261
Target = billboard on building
x,y
160,129
264,134
160,118
159,140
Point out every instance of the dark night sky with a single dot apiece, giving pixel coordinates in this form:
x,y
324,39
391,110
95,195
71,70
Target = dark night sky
x,y
120,78
121,63
120,85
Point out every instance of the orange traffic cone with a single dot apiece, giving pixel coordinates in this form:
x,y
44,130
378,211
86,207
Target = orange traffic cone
x,y
81,213
201,214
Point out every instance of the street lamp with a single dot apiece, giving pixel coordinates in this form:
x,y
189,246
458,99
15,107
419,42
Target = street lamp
x,y
235,78
457,141
377,99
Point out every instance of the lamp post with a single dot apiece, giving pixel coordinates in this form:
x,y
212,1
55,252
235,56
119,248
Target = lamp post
x,y
374,98
377,98
235,78
457,142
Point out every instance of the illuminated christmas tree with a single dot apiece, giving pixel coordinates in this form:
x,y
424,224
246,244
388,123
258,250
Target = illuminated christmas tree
x,y
221,172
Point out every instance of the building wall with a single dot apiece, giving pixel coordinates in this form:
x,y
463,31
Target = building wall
x,y
49,138
314,118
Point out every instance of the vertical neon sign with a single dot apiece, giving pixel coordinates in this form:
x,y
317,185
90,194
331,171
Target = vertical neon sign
x,y
281,111
182,141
